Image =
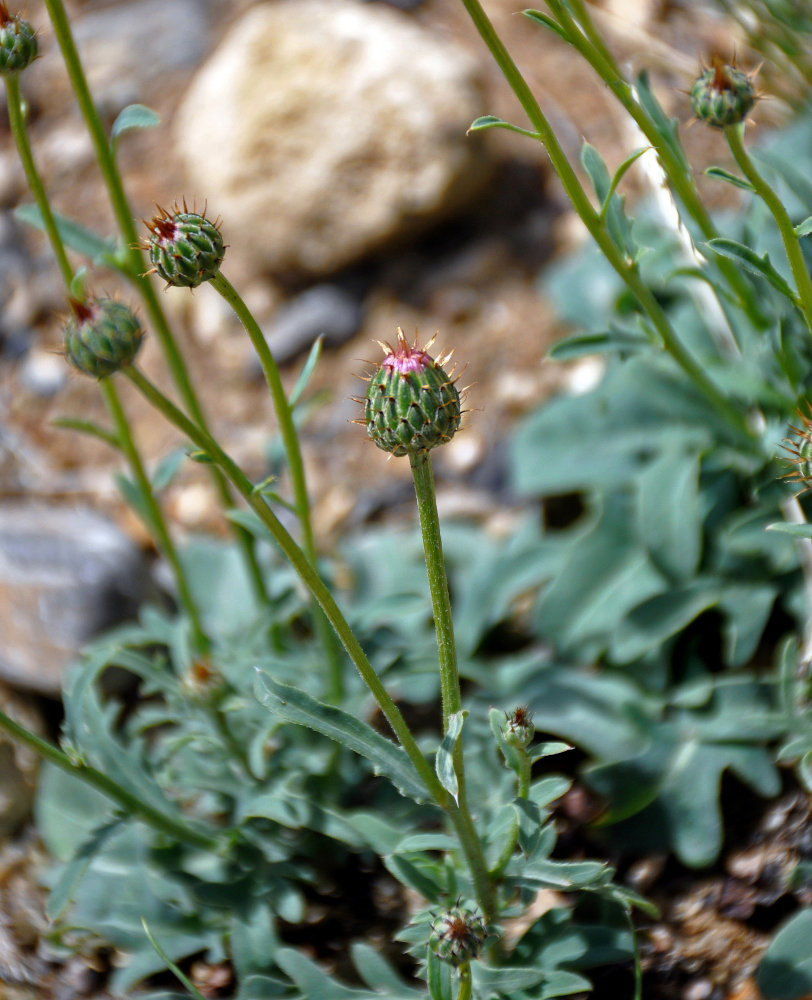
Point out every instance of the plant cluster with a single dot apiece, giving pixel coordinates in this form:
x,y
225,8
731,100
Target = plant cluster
x,y
667,630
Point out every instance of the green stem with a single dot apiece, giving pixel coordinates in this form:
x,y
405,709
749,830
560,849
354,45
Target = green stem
x,y
594,50
734,135
134,264
303,567
155,521
129,803
290,440
597,229
466,986
449,675
18,130
438,584
638,968
307,573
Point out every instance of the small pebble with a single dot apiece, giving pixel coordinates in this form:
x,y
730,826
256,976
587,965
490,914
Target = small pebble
x,y
43,373
323,309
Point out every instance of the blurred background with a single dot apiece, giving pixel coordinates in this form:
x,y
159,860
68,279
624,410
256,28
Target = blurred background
x,y
330,137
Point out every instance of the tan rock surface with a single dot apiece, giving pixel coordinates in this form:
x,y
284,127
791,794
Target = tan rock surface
x,y
323,129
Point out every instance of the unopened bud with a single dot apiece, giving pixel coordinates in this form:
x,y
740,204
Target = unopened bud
x,y
102,336
185,247
18,42
412,404
723,95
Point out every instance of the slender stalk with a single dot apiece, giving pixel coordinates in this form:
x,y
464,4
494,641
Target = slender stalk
x,y
592,47
449,675
134,265
438,584
290,439
156,522
638,967
597,229
129,803
460,818
792,245
466,985
18,130
303,567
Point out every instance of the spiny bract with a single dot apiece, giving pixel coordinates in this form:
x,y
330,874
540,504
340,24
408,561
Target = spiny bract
x,y
18,42
799,454
101,336
723,95
412,404
185,247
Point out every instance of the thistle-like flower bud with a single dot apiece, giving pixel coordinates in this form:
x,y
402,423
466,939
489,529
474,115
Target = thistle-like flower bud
x,y
101,336
518,728
185,247
18,42
412,404
457,935
723,95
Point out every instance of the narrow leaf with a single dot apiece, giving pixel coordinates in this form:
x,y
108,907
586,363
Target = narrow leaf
x,y
547,749
87,427
198,455
797,530
804,228
444,763
584,344
167,469
73,234
548,22
307,371
668,128
190,986
725,175
296,706
134,116
132,494
491,121
619,174
439,977
71,875
751,261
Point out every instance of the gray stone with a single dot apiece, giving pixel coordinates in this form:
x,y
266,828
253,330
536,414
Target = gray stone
x,y
127,46
322,130
322,310
43,373
65,574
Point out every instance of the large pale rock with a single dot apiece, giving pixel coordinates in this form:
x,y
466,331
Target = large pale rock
x,y
323,129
